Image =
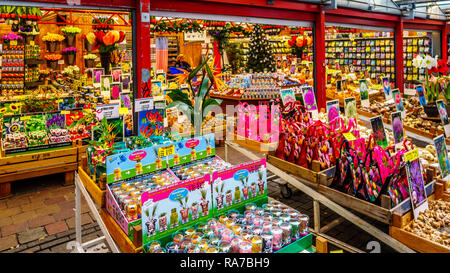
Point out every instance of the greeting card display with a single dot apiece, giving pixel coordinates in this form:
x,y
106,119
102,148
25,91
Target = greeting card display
x,y
364,93
444,117
378,131
442,155
416,183
175,207
237,186
287,95
310,101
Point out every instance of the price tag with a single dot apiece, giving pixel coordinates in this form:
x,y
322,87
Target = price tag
x,y
59,101
25,118
123,111
143,104
21,97
337,251
61,61
166,151
159,71
32,43
412,155
65,112
349,136
13,42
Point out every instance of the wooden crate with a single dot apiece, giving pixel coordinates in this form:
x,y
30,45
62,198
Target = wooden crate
x,y
314,177
383,213
123,242
97,190
419,244
264,148
40,163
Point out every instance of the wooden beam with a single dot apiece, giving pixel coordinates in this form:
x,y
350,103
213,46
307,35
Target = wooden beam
x,y
330,204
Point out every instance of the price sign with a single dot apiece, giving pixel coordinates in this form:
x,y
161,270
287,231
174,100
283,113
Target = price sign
x,y
412,155
144,104
349,136
13,42
25,118
65,112
108,111
166,151
123,111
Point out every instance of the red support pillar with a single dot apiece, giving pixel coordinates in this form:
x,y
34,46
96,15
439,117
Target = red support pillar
x,y
319,43
445,42
399,55
143,49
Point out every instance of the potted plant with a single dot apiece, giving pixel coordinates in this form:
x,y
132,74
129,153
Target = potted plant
x,y
7,38
70,32
52,60
431,85
298,44
71,53
52,39
106,41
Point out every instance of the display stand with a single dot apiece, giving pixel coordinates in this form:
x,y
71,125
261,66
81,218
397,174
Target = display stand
x,y
420,244
35,164
319,198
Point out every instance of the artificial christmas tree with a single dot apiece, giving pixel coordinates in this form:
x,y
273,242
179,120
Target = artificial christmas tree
x,y
260,52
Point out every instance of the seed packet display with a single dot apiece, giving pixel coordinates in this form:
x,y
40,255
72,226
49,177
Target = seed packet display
x,y
309,100
350,108
175,207
421,94
287,95
397,128
364,93
378,131
35,127
126,82
399,102
416,184
387,88
442,155
56,126
78,131
444,116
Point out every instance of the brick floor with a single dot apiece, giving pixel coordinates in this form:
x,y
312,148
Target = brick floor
x,y
14,228
8,242
41,221
56,227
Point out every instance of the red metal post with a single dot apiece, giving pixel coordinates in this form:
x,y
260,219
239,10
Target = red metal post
x,y
319,44
399,55
143,49
445,42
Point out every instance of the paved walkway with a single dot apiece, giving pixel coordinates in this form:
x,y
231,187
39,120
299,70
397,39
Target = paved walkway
x,y
40,216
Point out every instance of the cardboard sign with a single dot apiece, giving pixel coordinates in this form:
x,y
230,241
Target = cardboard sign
x,y
444,116
378,130
364,93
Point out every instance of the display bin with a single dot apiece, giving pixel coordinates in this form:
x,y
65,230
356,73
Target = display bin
x,y
402,220
37,163
382,213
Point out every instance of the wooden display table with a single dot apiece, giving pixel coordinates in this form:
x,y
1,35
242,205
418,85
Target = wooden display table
x,y
35,164
97,189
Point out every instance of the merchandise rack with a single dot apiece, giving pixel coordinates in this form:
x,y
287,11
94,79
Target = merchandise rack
x,y
408,69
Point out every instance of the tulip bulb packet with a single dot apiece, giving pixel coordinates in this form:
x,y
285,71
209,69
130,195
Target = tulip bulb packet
x,y
397,128
378,131
333,110
175,207
444,116
287,95
364,93
399,102
350,108
416,183
239,185
309,100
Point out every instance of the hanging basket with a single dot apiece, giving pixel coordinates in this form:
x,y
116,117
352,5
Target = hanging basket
x,y
105,59
70,39
51,46
71,58
52,64
89,63
88,46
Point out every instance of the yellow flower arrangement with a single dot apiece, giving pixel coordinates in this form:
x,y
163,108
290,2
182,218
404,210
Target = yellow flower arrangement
x,y
53,37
